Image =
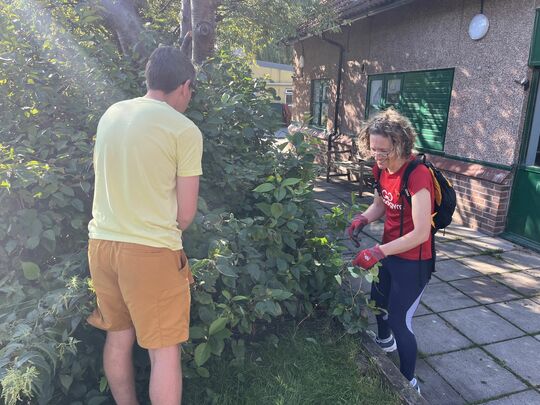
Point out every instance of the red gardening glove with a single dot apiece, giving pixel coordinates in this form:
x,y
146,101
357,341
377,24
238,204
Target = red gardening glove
x,y
358,222
368,258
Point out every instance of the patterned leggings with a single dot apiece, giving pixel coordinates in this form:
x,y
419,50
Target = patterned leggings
x,y
401,284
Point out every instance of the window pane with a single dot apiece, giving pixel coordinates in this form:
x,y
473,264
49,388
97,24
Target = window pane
x,y
324,114
316,114
375,96
394,89
319,101
316,91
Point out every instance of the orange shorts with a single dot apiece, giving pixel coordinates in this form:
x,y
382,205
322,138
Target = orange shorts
x,y
142,287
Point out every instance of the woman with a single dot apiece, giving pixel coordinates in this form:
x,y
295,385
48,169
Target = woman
x,y
405,253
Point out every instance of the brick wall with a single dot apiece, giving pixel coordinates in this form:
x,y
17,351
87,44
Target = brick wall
x,y
482,204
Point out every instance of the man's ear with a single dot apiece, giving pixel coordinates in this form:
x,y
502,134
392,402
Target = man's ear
x,y
186,87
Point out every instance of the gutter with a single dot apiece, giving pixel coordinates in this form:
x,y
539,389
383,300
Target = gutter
x,y
366,14
338,93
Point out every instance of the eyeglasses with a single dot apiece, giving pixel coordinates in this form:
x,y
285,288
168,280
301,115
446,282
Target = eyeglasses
x,y
381,153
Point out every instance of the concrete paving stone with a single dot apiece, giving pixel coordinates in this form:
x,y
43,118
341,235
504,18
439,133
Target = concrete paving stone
x,y
528,397
525,314
488,264
492,244
526,282
443,237
537,337
433,335
464,232
442,256
422,310
520,355
374,230
536,299
481,325
485,290
443,297
524,259
448,270
475,375
434,389
365,242
435,279
457,249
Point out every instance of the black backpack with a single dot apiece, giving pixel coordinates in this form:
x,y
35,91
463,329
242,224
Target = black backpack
x,y
445,196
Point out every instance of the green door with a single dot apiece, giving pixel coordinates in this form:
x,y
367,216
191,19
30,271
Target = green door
x,y
523,221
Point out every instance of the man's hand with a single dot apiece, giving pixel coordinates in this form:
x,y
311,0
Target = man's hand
x,y
358,222
368,258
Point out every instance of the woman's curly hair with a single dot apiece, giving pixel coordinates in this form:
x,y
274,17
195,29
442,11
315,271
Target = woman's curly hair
x,y
393,125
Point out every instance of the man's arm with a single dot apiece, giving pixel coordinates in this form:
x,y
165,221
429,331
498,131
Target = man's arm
x,y
187,194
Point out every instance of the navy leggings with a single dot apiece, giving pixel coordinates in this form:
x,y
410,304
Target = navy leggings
x,y
401,284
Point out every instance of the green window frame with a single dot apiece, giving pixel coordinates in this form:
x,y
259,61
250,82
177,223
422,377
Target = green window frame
x,y
422,96
320,89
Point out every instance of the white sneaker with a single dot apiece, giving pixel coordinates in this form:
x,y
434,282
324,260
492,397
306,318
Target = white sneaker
x,y
414,383
388,344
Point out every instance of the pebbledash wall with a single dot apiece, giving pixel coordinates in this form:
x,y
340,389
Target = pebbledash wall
x,y
487,106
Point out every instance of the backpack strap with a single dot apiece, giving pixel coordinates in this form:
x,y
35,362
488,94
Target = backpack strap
x,y
377,176
404,191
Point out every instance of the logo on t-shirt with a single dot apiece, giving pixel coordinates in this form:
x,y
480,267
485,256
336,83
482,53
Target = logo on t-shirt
x,y
388,200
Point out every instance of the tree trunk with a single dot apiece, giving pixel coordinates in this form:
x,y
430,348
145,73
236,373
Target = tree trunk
x,y
185,27
122,17
203,20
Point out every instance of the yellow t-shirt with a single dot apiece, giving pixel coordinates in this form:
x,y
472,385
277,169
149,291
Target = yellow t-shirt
x,y
142,145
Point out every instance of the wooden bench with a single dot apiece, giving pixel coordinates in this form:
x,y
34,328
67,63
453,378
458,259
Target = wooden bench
x,y
346,163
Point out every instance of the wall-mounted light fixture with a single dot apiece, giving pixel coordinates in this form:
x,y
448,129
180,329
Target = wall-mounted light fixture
x,y
479,24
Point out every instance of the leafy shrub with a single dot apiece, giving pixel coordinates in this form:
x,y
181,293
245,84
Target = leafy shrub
x,y
259,250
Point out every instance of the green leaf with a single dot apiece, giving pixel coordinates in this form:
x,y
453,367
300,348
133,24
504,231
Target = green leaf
x,y
103,384
49,234
202,354
98,400
265,208
280,294
196,332
293,226
338,278
240,298
280,194
254,271
277,210
66,381
202,297
203,372
224,266
226,294
32,242
31,270
290,181
217,325
281,264
264,188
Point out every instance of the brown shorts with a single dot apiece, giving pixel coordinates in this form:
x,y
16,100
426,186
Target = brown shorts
x,y
142,287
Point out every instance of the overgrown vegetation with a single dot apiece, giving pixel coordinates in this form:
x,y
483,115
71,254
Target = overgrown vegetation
x,y
309,364
259,251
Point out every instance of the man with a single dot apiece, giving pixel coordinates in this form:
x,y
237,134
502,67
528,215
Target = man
x,y
147,162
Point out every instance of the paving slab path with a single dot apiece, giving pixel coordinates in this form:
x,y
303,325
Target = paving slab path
x,y
478,324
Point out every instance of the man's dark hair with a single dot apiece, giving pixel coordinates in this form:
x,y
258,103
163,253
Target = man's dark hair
x,y
167,68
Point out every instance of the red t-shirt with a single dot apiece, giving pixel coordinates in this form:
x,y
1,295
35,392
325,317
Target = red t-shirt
x,y
390,187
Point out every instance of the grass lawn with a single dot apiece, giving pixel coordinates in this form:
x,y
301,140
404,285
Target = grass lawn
x,y
315,365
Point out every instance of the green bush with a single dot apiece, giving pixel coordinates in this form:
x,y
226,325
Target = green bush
x,y
259,250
